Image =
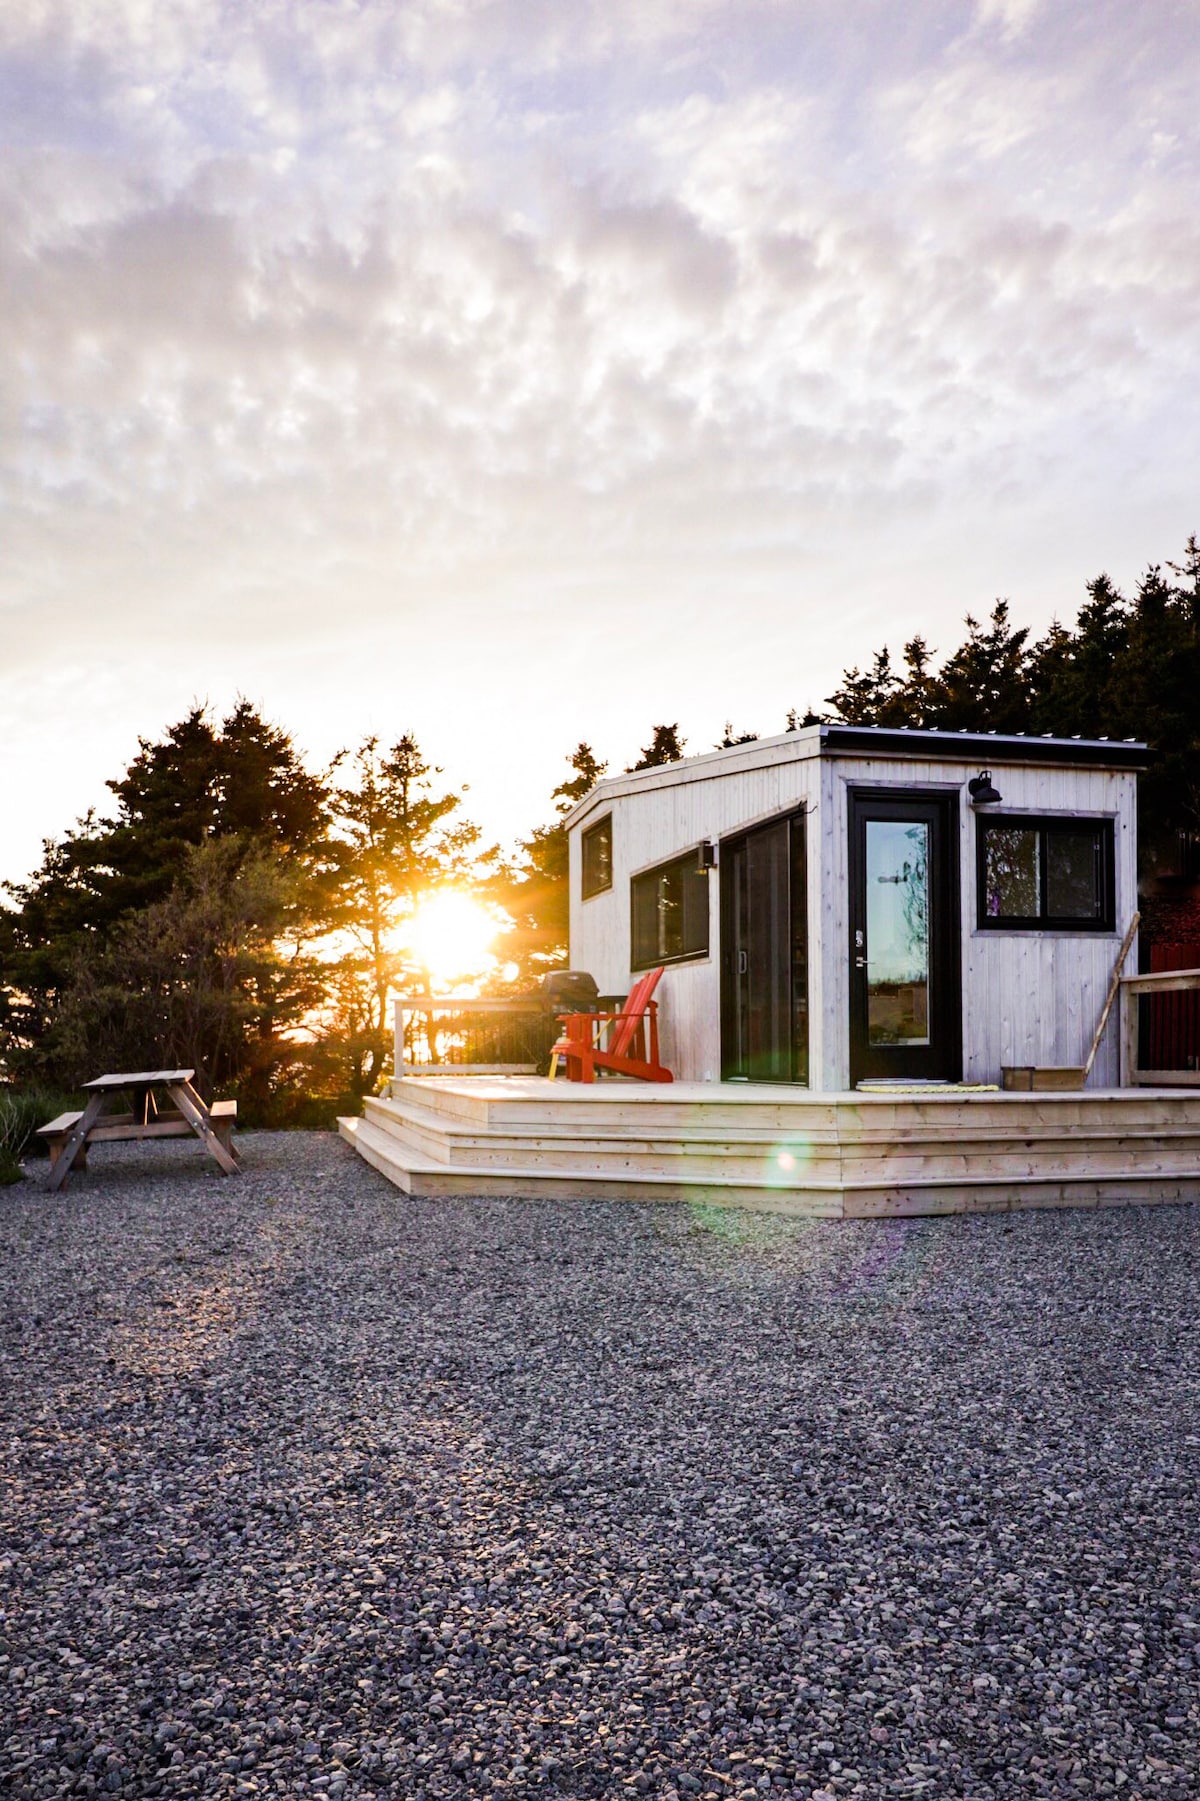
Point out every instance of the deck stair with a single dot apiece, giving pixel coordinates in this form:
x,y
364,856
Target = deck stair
x,y
832,1155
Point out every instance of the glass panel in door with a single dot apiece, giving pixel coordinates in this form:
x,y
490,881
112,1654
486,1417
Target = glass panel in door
x,y
768,1022
764,951
897,939
905,983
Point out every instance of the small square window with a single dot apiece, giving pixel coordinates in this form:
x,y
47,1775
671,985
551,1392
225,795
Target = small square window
x,y
1045,874
596,844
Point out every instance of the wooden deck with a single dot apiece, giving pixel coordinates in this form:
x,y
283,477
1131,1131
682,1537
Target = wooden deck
x,y
836,1156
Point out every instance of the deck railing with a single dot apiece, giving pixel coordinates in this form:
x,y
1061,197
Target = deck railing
x,y
439,1035
1168,1032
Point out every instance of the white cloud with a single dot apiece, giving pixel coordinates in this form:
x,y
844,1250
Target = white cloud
x,y
1012,18
354,322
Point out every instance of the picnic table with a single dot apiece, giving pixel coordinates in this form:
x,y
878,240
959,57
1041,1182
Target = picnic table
x,y
183,1114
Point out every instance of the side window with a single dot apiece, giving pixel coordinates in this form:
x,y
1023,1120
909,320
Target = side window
x,y
669,908
596,844
1045,873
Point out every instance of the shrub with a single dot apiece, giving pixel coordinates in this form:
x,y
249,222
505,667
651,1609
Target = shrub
x,y
22,1111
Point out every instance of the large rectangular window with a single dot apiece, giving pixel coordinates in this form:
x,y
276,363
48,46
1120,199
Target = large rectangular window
x,y
669,908
1045,873
596,845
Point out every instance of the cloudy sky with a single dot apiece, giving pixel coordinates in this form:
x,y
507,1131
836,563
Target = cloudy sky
x,y
519,370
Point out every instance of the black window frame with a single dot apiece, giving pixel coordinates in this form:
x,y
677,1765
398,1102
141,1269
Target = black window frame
x,y
591,888
1047,824
690,862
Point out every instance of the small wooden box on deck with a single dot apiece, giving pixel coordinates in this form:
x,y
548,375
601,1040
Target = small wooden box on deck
x,y
1027,1077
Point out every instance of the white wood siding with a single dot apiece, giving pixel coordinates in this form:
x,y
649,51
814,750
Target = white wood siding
x,y
662,820
1027,997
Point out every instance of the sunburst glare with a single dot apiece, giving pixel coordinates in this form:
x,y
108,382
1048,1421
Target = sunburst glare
x,y
451,937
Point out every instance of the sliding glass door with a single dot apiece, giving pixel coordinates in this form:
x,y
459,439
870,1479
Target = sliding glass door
x,y
764,954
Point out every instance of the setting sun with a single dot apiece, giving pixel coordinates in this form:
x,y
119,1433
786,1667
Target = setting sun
x,y
451,937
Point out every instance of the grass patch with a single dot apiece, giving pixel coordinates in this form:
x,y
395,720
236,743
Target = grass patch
x,y
22,1111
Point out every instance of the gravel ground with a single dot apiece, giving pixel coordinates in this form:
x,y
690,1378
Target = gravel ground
x,y
308,1488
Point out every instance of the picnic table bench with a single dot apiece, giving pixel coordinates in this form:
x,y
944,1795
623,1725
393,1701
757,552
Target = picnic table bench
x,y
69,1136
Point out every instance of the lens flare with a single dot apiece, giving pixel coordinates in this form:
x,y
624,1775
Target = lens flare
x,y
450,935
786,1163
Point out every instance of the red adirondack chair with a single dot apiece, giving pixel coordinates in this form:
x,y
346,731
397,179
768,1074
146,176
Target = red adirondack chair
x,y
614,1041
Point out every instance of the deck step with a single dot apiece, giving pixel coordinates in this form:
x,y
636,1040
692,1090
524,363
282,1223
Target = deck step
x,y
495,1102
422,1176
757,1160
574,1125
827,1155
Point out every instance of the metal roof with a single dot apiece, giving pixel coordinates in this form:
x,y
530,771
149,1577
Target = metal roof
x,y
984,749
1014,747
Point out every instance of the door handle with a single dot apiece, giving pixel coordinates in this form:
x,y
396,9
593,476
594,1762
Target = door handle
x,y
743,962
861,963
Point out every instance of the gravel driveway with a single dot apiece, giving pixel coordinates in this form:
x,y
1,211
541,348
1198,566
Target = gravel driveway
x,y
308,1488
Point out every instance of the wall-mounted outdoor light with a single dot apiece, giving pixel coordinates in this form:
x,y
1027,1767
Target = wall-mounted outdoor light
x,y
707,858
983,790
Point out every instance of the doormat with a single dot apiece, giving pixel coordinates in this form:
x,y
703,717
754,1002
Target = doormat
x,y
898,1085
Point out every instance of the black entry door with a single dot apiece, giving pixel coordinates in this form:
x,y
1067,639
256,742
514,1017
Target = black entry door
x,y
905,998
764,954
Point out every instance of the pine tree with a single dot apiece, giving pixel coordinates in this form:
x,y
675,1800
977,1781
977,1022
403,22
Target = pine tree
x,y
1129,668
534,891
240,785
868,697
665,746
210,978
395,840
983,685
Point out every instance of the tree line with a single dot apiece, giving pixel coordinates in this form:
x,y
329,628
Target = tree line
x,y
235,913
1129,667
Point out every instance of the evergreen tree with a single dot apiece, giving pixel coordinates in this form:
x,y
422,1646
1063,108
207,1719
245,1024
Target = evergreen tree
x,y
241,785
534,891
920,682
665,746
868,696
394,840
211,978
1129,668
243,780
983,685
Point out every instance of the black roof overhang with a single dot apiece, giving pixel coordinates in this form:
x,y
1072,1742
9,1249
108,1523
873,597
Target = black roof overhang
x,y
987,747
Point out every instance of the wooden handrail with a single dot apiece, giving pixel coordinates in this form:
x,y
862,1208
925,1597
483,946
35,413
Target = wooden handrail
x,y
406,1004
492,1003
1166,981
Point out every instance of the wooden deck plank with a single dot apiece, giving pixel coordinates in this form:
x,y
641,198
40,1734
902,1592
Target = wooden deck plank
x,y
145,1078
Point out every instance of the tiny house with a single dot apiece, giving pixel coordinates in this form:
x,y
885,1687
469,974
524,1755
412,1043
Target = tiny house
x,y
859,930
849,904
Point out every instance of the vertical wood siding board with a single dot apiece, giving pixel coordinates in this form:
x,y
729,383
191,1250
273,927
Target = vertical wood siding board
x,y
974,999
1049,1000
575,929
813,794
834,993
